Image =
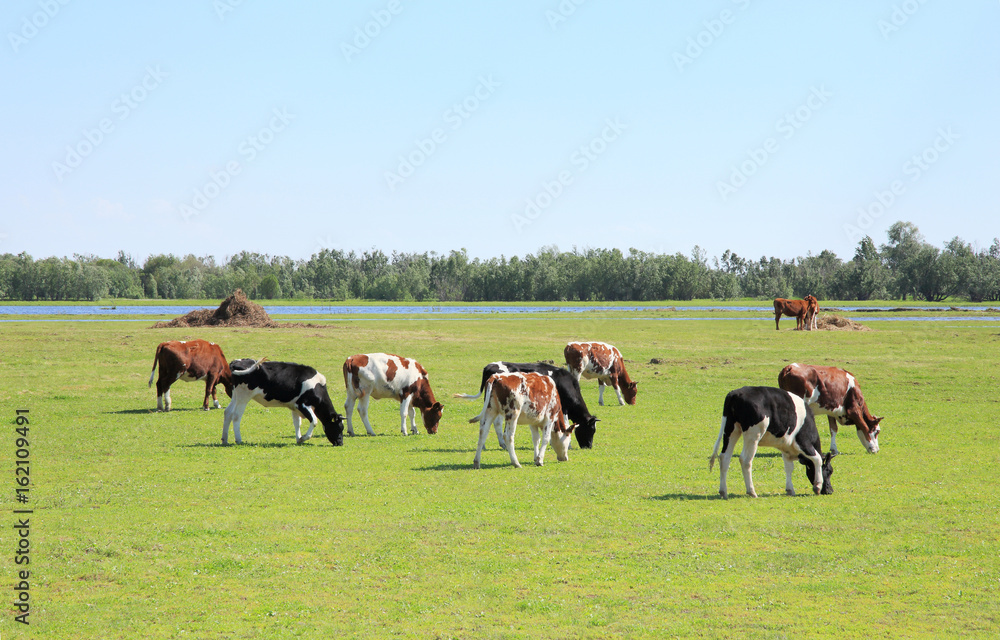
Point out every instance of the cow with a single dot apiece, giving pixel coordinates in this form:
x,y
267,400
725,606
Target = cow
x,y
283,384
573,405
383,375
190,360
604,362
530,398
804,311
772,418
836,393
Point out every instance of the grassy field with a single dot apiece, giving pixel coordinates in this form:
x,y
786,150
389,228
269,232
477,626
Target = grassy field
x,y
144,526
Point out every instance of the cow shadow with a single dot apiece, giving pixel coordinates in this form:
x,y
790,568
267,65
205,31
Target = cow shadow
x,y
467,466
685,496
125,412
254,445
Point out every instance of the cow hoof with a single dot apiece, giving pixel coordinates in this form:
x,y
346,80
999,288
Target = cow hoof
x,y
816,490
751,494
789,492
204,408
475,464
725,496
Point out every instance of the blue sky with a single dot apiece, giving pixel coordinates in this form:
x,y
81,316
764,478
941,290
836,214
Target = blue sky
x,y
767,128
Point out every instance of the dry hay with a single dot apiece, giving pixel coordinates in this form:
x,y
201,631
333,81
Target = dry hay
x,y
235,311
833,322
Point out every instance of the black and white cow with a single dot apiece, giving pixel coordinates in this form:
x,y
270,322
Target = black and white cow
x,y
573,405
283,384
772,418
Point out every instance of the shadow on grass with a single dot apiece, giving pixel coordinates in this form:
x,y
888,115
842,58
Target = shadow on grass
x,y
686,496
139,411
256,445
464,467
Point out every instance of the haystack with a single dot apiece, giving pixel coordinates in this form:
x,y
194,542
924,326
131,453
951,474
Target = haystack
x,y
235,311
833,322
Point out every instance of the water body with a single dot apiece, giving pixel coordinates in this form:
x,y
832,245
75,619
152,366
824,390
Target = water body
x,y
314,310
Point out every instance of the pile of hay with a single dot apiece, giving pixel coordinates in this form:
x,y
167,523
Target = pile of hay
x,y
235,311
833,322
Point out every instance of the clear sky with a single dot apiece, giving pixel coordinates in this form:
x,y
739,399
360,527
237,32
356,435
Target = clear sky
x,y
767,128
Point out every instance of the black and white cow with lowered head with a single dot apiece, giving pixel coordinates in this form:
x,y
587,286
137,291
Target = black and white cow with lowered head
x,y
573,405
772,418
283,384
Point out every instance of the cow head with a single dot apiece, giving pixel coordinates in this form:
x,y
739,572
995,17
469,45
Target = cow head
x,y
827,487
585,432
869,437
629,392
432,416
334,430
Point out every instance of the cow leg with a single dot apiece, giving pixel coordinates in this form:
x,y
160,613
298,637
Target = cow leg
x,y
539,442
209,390
413,418
600,392
498,427
349,410
363,412
311,415
725,459
484,430
404,410
234,413
777,318
789,470
166,400
161,391
215,398
510,427
618,390
833,434
750,439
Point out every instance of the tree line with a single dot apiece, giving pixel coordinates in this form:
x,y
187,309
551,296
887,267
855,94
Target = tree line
x,y
904,267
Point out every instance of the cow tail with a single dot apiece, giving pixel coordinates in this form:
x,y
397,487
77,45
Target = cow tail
x,y
718,441
156,359
486,402
469,396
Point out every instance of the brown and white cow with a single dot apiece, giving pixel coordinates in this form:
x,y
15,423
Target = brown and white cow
x,y
604,362
804,311
382,375
836,393
190,360
526,398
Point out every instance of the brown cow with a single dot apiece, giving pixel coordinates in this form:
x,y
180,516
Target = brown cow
x,y
604,362
190,360
836,393
804,311
525,397
384,375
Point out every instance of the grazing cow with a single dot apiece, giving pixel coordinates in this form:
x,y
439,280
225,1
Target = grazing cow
x,y
772,418
529,398
283,384
190,360
573,405
836,393
804,311
604,362
381,375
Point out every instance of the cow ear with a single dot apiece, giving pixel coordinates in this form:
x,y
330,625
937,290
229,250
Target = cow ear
x,y
437,406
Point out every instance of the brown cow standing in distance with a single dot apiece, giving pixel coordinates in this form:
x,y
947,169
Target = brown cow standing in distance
x,y
836,393
190,360
604,362
804,311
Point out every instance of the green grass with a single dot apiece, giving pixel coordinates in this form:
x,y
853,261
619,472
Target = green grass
x,y
144,527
